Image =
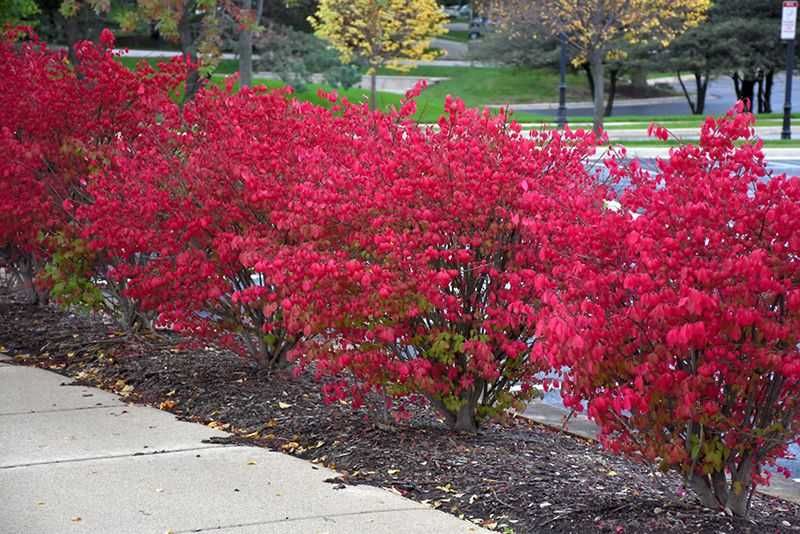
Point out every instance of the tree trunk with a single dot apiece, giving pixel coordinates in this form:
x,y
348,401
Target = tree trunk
x,y
686,94
768,81
701,82
715,491
27,271
760,92
639,79
72,35
596,60
741,487
465,418
246,51
588,70
748,93
612,91
189,52
737,88
701,486
372,91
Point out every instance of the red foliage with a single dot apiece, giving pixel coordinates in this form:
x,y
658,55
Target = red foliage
x,y
60,119
452,262
680,324
420,254
193,196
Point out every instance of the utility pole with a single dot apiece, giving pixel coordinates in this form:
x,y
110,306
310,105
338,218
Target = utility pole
x,y
788,34
561,118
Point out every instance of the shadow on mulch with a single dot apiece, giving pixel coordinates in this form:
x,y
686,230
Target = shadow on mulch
x,y
513,476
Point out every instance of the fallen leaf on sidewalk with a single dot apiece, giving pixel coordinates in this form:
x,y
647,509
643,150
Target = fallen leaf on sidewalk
x,y
75,519
167,405
3,349
219,426
251,462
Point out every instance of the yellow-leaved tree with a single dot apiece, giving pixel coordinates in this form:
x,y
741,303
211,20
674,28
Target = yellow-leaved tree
x,y
595,28
380,33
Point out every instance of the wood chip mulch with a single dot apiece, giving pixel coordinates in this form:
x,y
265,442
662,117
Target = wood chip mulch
x,y
514,476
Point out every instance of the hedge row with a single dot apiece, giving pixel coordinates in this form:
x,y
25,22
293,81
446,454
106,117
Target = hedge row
x,y
453,263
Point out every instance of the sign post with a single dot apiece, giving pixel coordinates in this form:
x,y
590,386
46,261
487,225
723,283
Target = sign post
x,y
788,33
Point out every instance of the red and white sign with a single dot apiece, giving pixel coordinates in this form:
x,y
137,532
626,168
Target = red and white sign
x,y
789,19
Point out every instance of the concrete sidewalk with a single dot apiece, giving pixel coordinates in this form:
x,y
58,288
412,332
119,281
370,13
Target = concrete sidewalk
x,y
78,459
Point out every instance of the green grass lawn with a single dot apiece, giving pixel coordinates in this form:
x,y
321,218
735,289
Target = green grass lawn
x,y
226,66
478,87
482,86
461,36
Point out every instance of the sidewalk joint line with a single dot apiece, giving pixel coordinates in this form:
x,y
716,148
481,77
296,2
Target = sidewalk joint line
x,y
114,456
57,410
420,508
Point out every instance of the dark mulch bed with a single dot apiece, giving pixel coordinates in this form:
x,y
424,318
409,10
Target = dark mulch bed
x,y
513,476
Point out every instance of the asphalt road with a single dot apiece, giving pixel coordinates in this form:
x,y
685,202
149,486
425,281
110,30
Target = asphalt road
x,y
721,96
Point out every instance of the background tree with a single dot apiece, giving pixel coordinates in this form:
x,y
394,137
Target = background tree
x,y
696,52
249,21
70,21
741,39
299,58
380,33
595,28
748,32
17,11
521,38
195,25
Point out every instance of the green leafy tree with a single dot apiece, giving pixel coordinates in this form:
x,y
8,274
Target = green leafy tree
x,y
298,58
15,12
741,39
696,52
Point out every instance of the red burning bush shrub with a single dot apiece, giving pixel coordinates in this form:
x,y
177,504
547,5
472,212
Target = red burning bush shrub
x,y
423,255
58,123
678,315
178,207
453,262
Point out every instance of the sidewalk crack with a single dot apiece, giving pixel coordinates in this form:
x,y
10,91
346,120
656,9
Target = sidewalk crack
x,y
113,456
56,410
326,517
